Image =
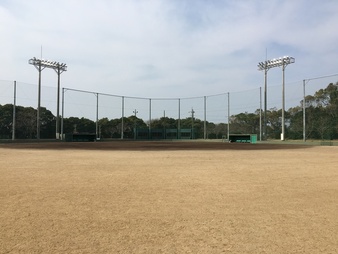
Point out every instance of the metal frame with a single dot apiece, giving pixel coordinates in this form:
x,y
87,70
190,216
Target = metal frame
x,y
40,65
266,65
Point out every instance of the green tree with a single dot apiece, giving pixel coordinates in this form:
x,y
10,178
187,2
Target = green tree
x,y
245,123
6,121
25,122
194,124
78,125
295,129
164,123
274,123
221,130
47,124
321,115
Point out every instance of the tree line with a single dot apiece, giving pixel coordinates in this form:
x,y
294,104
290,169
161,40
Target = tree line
x,y
321,121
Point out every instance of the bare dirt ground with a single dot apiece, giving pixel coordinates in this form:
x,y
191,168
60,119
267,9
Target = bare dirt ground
x,y
168,197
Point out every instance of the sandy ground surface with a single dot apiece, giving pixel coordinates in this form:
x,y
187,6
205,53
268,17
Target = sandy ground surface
x,y
175,197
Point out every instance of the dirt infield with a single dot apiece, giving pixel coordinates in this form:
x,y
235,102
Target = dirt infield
x,y
150,145
168,197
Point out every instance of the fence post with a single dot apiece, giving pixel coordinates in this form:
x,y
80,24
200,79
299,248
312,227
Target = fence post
x,y
260,113
205,117
122,121
97,116
62,113
228,116
179,120
304,114
14,112
149,118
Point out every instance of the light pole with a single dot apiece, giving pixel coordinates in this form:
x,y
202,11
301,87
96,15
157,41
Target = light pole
x,y
192,122
135,112
268,64
264,66
41,64
59,69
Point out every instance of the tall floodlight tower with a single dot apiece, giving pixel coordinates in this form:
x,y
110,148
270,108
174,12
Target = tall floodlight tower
x,y
266,65
38,65
285,61
135,121
263,66
192,122
41,64
59,69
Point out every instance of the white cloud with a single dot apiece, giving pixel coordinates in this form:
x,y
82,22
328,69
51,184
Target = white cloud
x,y
144,48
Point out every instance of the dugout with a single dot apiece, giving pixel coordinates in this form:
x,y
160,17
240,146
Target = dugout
x,y
164,134
157,134
152,134
243,138
142,134
171,133
186,134
80,137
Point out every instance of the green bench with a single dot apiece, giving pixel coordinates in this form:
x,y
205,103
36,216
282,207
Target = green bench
x,y
243,138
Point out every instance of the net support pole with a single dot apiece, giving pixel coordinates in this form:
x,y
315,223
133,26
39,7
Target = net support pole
x,y
228,116
14,112
179,120
62,111
304,114
122,119
260,114
205,117
97,116
149,118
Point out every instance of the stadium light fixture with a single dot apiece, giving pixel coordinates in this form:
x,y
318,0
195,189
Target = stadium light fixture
x,y
266,65
282,61
41,64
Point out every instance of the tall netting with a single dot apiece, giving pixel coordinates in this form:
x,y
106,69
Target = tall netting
x,y
217,108
211,115
27,96
321,108
310,108
6,92
109,106
192,107
138,107
165,108
21,121
79,104
245,101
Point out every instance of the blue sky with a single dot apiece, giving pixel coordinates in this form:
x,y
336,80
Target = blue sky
x,y
167,48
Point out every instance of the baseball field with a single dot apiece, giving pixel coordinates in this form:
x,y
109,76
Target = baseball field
x,y
168,197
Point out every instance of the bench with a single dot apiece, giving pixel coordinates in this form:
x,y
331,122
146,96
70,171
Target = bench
x,y
243,138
